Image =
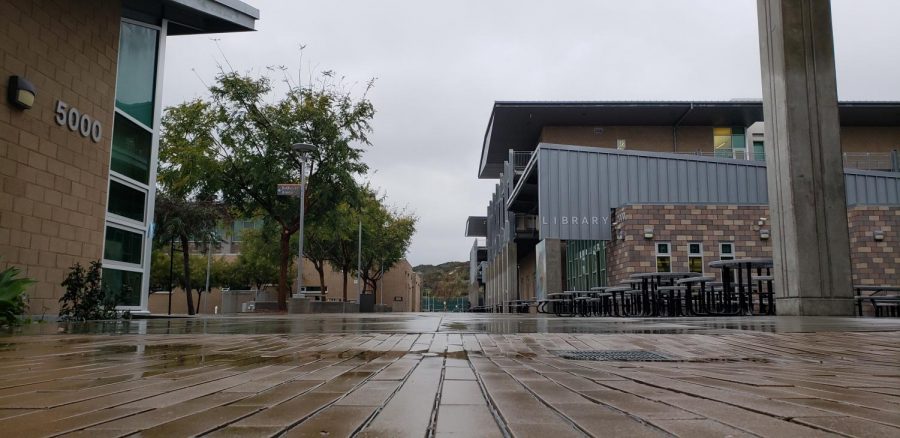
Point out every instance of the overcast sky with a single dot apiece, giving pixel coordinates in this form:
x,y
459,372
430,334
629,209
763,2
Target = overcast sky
x,y
441,65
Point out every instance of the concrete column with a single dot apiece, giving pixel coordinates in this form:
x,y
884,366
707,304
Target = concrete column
x,y
511,271
803,154
552,267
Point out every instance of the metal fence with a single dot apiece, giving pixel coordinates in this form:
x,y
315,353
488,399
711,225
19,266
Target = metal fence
x,y
438,304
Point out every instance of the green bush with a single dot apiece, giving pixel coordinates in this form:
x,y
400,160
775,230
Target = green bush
x,y
86,297
12,296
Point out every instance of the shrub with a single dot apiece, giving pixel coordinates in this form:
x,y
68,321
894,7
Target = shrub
x,y
86,297
12,296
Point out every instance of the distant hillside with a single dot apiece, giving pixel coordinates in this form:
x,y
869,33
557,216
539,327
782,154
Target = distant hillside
x,y
446,280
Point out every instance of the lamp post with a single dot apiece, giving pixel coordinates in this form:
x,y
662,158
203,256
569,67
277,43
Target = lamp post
x,y
302,149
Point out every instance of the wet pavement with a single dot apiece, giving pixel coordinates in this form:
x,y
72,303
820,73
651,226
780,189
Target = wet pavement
x,y
463,323
452,375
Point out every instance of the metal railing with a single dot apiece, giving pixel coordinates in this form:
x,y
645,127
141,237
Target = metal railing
x,y
520,160
888,161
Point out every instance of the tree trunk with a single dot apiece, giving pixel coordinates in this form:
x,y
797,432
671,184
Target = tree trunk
x,y
186,283
345,284
284,262
320,268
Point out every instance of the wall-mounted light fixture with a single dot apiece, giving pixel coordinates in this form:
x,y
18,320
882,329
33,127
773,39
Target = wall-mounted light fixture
x,y
764,234
648,232
879,235
21,93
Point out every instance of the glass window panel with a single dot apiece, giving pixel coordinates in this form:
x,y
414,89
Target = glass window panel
x,y
131,150
136,77
696,264
694,248
662,248
759,151
125,285
663,264
123,246
126,201
721,132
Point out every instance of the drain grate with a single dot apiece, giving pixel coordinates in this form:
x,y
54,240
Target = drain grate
x,y
623,356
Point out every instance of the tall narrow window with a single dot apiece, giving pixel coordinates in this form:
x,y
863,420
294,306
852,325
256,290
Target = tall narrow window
x,y
695,257
730,143
663,257
726,251
759,151
132,171
722,142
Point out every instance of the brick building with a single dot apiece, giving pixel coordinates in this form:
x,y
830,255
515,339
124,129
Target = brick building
x,y
78,160
592,192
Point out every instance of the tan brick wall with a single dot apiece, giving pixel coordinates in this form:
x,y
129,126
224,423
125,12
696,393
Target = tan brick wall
x,y
400,281
870,138
875,262
53,181
638,138
680,225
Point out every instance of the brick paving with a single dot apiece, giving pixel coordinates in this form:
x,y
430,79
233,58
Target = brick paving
x,y
370,384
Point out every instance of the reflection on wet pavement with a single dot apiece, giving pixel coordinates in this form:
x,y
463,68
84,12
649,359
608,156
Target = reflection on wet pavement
x,y
442,375
462,323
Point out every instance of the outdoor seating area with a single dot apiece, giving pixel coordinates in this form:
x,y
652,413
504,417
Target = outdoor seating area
x,y
745,288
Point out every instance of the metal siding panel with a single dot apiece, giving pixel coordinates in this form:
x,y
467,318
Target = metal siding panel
x,y
586,190
681,181
593,193
893,191
556,192
672,181
693,192
632,179
850,189
572,207
870,189
722,183
652,179
643,180
741,183
615,198
711,169
881,190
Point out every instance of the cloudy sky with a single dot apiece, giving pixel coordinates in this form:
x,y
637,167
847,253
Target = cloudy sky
x,y
441,65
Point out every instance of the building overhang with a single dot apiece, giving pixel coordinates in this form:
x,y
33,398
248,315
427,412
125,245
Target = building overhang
x,y
476,226
518,125
190,17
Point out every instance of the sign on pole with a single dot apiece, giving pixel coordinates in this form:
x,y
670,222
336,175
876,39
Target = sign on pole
x,y
289,190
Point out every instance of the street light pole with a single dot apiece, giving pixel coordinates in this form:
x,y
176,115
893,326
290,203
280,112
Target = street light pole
x,y
303,149
359,287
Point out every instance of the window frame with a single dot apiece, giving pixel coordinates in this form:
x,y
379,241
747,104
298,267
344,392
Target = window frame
x,y
722,253
660,255
695,255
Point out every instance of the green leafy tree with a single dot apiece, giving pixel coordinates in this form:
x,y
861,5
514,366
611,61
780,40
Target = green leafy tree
x,y
343,238
186,221
387,235
259,257
237,144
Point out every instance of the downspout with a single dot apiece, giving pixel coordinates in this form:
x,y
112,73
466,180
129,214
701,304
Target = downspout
x,y
677,124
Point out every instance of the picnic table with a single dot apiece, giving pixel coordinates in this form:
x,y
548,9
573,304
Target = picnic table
x,y
651,299
562,303
737,277
890,304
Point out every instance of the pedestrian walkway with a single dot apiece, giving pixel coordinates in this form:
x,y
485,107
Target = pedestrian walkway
x,y
452,382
